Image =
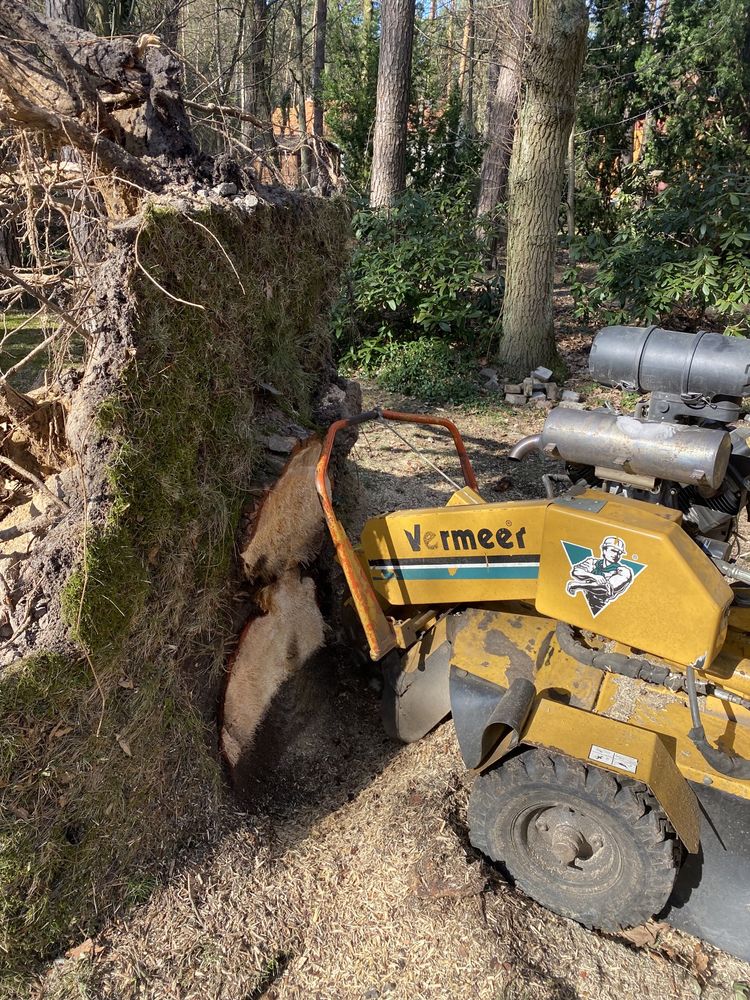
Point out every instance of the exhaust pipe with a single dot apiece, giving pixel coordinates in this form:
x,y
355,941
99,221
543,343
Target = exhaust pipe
x,y
526,445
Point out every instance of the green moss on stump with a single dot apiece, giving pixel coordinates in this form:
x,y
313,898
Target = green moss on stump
x,y
105,764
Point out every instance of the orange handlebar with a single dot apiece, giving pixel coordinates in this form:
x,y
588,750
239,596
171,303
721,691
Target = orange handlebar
x,y
379,631
409,418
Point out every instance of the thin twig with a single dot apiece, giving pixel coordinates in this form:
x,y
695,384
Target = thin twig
x,y
227,109
219,244
34,527
13,276
152,279
4,376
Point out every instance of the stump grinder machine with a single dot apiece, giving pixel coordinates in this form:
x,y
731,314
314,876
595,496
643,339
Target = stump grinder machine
x,y
592,646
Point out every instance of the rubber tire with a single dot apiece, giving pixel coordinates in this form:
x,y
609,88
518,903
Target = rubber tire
x,y
648,848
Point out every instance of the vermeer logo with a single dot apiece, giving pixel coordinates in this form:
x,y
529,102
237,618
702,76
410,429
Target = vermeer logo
x,y
601,579
464,539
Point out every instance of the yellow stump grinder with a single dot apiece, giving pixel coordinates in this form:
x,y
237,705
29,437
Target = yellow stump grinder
x,y
592,646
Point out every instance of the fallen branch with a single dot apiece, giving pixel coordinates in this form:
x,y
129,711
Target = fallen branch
x,y
231,112
25,474
35,527
11,275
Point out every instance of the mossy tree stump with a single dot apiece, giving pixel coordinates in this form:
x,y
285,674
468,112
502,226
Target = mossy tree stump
x,y
190,334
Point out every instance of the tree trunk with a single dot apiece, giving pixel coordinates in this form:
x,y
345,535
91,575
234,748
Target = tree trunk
x,y
493,72
553,67
449,78
146,336
255,99
388,179
170,25
502,107
466,69
319,63
299,69
72,11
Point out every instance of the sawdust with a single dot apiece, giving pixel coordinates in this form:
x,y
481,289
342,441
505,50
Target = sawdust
x,y
381,897
352,876
629,692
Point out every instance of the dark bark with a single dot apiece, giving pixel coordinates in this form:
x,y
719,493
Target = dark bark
x,y
254,97
118,98
466,71
388,178
553,66
299,63
169,31
502,104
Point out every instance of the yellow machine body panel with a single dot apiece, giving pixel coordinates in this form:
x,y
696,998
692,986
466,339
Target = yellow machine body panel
x,y
619,567
498,645
461,553
731,668
667,713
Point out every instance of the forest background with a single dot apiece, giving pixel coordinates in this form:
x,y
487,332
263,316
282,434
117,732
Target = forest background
x,y
651,214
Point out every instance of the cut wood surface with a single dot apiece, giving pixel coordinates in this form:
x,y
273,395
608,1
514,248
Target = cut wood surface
x,y
286,627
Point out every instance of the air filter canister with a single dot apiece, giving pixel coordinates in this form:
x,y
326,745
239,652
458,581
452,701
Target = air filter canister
x,y
648,359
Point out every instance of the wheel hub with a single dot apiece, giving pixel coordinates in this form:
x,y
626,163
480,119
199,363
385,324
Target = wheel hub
x,y
566,836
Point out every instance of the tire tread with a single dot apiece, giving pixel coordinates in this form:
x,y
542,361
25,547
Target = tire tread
x,y
656,840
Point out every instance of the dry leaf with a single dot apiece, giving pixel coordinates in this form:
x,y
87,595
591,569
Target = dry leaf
x,y
60,730
699,960
644,936
83,949
124,745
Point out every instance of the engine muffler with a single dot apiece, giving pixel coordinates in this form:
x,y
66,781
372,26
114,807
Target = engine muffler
x,y
685,454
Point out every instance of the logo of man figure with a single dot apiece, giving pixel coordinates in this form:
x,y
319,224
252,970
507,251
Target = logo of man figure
x,y
602,580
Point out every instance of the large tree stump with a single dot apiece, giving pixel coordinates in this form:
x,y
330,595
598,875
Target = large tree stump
x,y
190,344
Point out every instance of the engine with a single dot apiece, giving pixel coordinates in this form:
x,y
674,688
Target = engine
x,y
684,447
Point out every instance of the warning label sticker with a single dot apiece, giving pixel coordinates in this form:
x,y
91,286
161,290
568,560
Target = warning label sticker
x,y
613,759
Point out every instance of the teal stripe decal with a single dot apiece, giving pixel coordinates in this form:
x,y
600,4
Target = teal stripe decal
x,y
476,572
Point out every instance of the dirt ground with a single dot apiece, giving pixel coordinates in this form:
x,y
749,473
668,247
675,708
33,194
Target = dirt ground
x,y
350,874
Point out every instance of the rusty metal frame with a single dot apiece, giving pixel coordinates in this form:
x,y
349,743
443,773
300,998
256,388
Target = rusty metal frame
x,y
379,631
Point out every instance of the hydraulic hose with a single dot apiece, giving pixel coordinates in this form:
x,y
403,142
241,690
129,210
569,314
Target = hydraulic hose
x,y
618,663
732,571
724,763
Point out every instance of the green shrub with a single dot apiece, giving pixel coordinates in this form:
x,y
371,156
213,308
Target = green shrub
x,y
430,369
681,257
416,272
